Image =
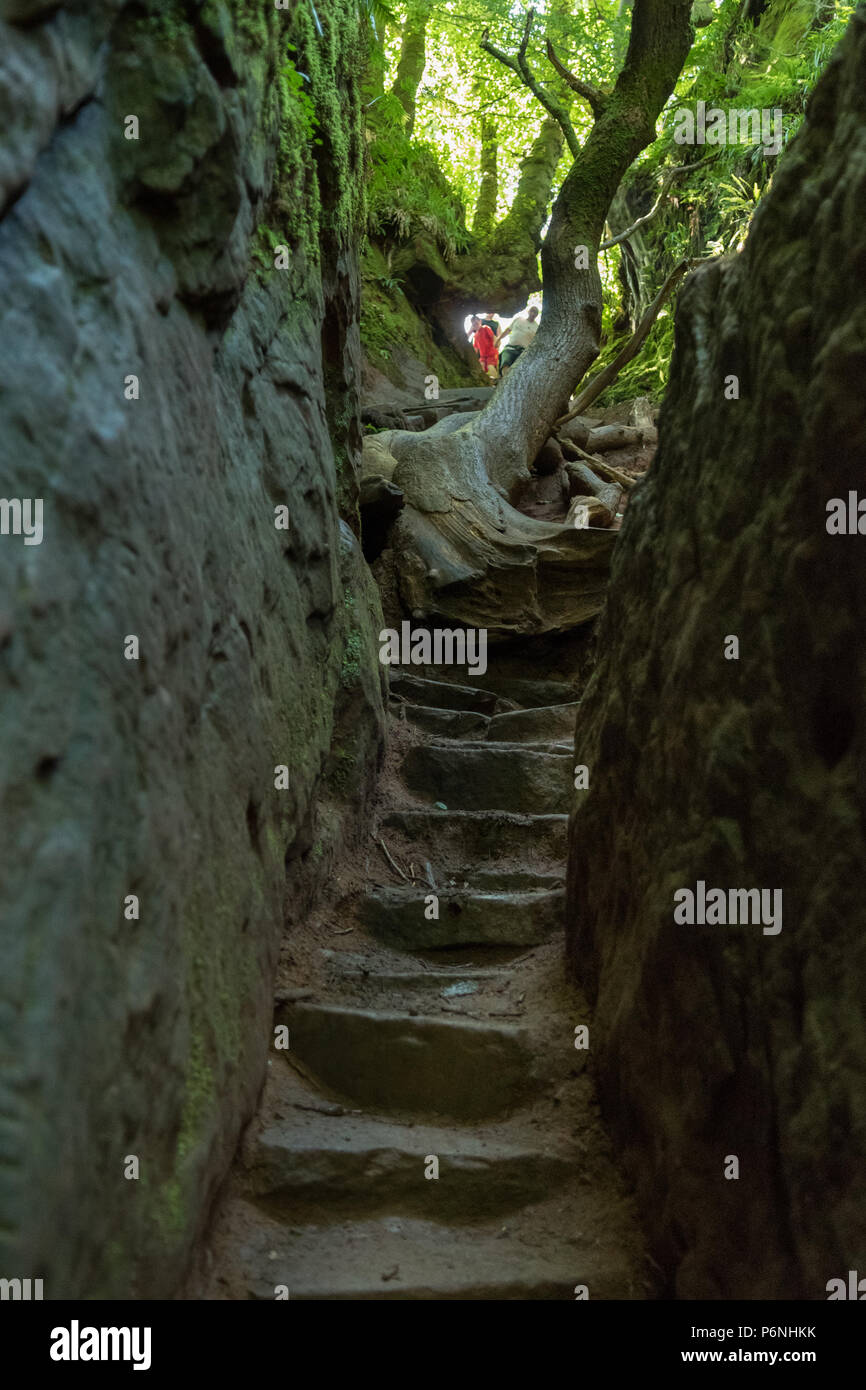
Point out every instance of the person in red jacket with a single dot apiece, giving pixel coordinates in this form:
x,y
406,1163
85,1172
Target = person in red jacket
x,y
485,345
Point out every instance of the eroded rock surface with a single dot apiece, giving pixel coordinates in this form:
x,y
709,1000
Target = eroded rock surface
x,y
718,1041
153,258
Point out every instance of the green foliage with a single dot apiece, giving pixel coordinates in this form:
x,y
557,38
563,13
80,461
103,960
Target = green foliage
x,y
770,67
647,374
377,16
428,185
737,203
297,94
407,192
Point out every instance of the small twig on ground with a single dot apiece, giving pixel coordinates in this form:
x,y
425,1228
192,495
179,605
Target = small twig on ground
x,y
392,861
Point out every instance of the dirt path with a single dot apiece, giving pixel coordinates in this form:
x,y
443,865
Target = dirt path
x,y
423,1045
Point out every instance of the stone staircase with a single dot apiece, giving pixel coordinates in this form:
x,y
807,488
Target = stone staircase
x,y
428,1043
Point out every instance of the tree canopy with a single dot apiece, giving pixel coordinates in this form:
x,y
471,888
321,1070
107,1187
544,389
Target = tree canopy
x,y
465,161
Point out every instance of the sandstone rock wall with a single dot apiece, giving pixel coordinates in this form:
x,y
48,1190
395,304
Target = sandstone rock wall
x,y
154,258
715,1041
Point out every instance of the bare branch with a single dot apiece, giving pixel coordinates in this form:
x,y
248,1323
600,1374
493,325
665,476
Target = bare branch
x,y
527,30
666,183
594,95
603,379
524,72
648,216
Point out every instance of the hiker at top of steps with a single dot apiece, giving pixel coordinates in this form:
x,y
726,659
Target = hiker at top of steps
x,y
485,345
519,335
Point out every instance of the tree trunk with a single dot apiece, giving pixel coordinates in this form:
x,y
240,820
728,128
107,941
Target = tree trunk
x,y
521,414
488,191
519,232
461,550
413,57
501,269
500,272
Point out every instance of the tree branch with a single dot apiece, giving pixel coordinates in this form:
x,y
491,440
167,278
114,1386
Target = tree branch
x,y
594,95
524,72
666,183
604,378
648,216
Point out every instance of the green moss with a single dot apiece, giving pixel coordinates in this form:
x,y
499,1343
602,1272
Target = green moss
x,y
350,670
168,23
199,1095
388,321
251,21
341,773
318,184
263,250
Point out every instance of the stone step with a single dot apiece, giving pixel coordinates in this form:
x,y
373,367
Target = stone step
x,y
530,694
440,694
399,1062
520,878
516,880
407,1258
352,1163
446,723
465,836
547,721
433,979
495,776
397,917
526,746
509,690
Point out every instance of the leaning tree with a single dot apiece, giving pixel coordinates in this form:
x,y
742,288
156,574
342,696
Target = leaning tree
x,y
499,263
461,549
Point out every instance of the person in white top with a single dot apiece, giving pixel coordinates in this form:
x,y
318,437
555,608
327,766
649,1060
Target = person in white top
x,y
519,335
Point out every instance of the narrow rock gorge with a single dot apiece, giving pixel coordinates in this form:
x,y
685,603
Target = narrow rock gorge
x,y
745,771
165,390
433,822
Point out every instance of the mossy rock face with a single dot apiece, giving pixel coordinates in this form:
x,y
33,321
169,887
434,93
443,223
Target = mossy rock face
x,y
392,330
182,390
712,1041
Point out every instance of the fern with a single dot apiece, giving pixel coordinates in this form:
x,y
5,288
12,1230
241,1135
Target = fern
x,y
377,16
